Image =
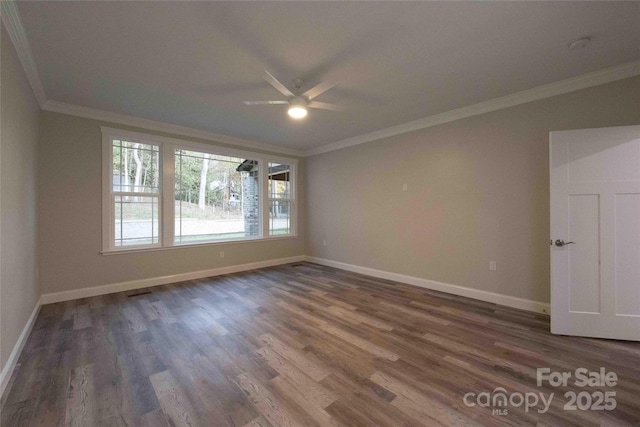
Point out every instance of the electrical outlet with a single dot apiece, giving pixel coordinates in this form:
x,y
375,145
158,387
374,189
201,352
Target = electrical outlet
x,y
493,266
324,243
221,254
404,187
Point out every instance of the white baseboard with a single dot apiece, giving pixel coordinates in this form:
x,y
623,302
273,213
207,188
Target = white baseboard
x,y
163,280
506,300
7,370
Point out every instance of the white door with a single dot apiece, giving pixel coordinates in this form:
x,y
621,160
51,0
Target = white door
x,y
595,232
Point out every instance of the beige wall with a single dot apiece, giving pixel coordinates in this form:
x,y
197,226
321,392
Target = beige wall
x,y
478,190
18,200
71,212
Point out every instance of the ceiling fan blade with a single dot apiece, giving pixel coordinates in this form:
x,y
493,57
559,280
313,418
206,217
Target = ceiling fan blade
x,y
265,102
319,89
275,83
325,106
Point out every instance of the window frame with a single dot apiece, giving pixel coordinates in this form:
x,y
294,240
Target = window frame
x,y
290,200
166,196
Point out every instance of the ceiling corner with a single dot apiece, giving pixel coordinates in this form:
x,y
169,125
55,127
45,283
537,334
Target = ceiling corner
x,y
607,75
158,126
15,29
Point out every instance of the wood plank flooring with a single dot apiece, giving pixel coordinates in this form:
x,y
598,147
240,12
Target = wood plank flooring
x,y
299,345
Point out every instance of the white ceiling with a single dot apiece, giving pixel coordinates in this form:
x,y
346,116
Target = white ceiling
x,y
193,63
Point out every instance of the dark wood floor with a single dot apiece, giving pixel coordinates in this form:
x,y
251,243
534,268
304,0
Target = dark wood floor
x,y
298,345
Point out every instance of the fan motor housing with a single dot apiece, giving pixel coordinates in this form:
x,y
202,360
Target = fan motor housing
x,y
297,101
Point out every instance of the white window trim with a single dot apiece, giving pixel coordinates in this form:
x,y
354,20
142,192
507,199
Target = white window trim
x,y
290,199
167,196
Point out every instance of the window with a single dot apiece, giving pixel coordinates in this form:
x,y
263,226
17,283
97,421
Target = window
x,y
161,192
216,197
136,193
279,199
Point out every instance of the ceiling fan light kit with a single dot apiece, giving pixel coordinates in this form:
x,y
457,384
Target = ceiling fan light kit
x,y
297,107
298,103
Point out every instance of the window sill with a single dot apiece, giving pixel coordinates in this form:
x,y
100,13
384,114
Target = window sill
x,y
196,245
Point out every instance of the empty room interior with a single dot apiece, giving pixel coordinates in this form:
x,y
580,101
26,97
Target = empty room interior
x,y
313,213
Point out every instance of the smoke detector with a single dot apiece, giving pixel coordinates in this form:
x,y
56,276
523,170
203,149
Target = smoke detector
x,y
579,44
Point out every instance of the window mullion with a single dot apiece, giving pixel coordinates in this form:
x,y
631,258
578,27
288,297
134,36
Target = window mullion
x,y
134,194
293,209
168,194
264,198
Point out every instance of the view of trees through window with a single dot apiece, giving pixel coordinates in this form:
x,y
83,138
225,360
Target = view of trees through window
x,y
136,190
216,197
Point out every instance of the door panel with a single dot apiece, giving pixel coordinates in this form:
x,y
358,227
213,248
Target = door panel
x,y
603,161
584,259
627,263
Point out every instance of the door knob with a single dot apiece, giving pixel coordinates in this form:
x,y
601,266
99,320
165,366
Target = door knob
x,y
561,243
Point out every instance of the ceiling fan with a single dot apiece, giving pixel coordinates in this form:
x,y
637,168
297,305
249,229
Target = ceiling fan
x,y
298,101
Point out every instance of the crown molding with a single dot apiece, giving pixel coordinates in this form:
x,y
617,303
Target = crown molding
x,y
154,125
584,81
13,23
15,29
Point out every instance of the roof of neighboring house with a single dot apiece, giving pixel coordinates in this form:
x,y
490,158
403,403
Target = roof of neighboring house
x,y
277,172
